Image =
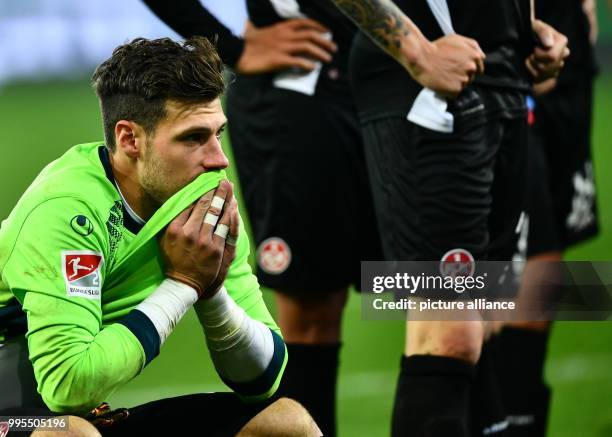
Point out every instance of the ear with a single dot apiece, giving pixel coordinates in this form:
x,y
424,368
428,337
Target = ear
x,y
130,137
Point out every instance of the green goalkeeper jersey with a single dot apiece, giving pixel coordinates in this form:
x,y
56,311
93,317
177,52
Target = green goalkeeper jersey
x,y
78,264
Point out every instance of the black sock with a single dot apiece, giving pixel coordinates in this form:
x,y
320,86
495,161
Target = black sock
x,y
310,378
432,398
487,409
520,367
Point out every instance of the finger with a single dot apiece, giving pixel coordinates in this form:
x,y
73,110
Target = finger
x,y
309,49
289,61
480,66
531,67
223,226
181,219
566,52
211,218
318,38
474,44
194,221
232,237
544,33
306,23
230,243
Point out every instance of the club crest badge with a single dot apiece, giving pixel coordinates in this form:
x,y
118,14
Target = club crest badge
x,y
457,262
82,273
273,256
4,429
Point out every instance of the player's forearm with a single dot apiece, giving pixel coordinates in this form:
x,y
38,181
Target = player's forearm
x,y
248,355
386,25
77,365
189,18
80,366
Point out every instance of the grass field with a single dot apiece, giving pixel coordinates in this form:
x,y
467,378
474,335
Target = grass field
x,y
39,121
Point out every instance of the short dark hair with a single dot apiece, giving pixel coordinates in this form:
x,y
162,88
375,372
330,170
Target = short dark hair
x,y
137,80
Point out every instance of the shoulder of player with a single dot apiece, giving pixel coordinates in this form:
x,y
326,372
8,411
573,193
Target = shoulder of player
x,y
76,181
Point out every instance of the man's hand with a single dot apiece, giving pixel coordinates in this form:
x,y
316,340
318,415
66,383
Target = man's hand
x,y
198,246
547,61
446,65
539,89
291,43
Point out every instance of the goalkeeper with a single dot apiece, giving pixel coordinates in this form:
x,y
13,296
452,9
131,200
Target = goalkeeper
x,y
113,243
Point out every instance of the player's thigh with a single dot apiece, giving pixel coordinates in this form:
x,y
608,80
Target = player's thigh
x,y
303,176
432,190
206,415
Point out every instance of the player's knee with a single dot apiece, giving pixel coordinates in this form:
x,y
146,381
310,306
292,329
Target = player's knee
x,y
460,340
284,418
463,341
77,427
305,319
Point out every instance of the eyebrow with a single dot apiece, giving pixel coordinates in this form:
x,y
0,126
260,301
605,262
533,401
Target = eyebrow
x,y
205,130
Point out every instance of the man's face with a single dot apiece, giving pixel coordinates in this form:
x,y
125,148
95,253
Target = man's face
x,y
185,144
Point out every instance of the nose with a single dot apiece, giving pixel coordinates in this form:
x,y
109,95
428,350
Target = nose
x,y
214,158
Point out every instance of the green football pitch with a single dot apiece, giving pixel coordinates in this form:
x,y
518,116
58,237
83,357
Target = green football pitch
x,y
38,121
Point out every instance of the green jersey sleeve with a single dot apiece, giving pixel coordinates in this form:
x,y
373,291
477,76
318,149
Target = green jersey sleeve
x,y
56,269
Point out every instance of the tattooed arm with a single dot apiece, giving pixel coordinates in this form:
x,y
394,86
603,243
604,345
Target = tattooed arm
x,y
445,65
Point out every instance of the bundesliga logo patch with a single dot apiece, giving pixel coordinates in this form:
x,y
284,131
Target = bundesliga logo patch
x,y
273,256
81,269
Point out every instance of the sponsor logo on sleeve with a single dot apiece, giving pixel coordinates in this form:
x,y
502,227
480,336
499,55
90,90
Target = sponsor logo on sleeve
x,y
81,225
82,273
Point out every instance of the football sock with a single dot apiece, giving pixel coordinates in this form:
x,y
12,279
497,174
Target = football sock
x,y
432,398
520,365
487,412
310,378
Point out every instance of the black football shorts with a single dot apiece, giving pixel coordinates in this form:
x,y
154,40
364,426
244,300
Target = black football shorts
x,y
303,176
436,192
562,205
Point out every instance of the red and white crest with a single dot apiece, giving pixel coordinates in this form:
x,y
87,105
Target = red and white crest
x,y
82,273
273,255
457,262
4,429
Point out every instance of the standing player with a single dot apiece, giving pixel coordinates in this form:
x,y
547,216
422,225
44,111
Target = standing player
x,y
79,254
447,174
561,209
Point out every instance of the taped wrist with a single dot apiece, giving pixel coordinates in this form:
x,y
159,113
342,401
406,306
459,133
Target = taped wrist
x,y
241,348
179,277
167,305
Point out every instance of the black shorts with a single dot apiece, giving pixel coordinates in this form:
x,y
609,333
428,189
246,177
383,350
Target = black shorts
x,y
436,192
211,414
563,204
302,172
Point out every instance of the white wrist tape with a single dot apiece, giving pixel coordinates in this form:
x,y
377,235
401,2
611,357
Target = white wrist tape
x,y
241,348
167,305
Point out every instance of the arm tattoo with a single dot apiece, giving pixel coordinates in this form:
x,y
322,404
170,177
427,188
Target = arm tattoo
x,y
381,20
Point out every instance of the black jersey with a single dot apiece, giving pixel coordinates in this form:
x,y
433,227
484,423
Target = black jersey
x,y
501,27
